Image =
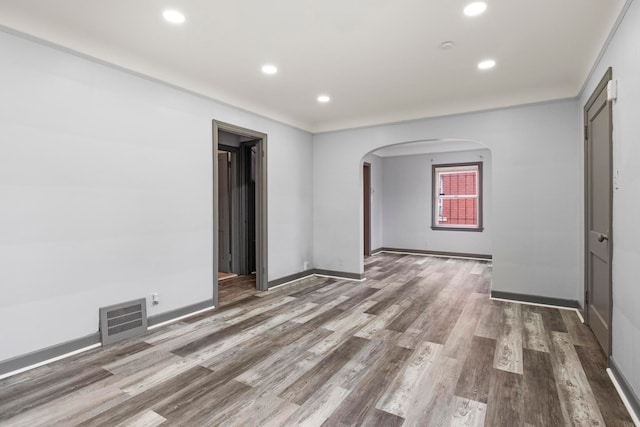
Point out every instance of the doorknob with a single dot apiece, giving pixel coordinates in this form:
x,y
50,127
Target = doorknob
x,y
602,237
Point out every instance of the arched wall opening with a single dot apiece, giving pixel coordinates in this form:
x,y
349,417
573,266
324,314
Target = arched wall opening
x,y
536,183
402,203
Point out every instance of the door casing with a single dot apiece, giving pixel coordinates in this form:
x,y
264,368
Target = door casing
x,y
587,209
261,203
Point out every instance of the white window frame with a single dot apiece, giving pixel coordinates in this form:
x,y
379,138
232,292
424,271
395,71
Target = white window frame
x,y
438,197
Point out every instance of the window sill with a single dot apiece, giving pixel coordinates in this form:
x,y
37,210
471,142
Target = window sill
x,y
436,228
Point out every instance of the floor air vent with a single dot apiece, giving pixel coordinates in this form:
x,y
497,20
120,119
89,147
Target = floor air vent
x,y
121,321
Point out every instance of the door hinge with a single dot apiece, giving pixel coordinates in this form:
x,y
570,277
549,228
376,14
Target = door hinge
x,y
586,133
586,298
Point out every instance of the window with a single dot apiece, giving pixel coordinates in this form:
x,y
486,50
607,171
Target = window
x,y
457,197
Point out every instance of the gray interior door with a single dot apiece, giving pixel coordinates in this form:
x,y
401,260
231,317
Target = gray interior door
x,y
224,213
598,214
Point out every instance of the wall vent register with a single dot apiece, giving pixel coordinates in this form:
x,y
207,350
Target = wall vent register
x,y
124,320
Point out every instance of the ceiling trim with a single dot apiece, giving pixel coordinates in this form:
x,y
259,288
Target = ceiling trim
x,y
443,116
604,48
289,122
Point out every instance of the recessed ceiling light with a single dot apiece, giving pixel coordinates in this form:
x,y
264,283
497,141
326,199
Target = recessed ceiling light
x,y
486,64
447,45
173,16
475,8
269,69
324,98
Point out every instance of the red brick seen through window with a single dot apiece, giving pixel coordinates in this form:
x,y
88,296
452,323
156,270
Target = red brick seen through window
x,y
461,210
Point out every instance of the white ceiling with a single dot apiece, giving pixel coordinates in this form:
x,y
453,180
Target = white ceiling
x,y
378,59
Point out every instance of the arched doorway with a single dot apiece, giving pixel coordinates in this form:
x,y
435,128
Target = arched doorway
x,y
403,207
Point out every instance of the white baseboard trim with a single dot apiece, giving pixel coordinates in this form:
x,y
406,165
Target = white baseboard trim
x,y
46,362
21,360
434,255
315,275
177,319
291,281
346,279
559,307
623,396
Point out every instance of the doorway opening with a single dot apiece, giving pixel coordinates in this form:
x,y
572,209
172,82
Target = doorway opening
x,y
366,197
239,212
397,179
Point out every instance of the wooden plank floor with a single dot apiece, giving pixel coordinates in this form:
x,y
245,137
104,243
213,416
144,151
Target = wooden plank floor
x,y
235,288
419,343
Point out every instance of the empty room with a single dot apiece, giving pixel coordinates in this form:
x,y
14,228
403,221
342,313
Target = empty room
x,y
327,213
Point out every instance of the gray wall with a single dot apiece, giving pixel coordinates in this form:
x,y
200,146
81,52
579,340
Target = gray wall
x,y
106,194
376,200
536,191
623,54
407,205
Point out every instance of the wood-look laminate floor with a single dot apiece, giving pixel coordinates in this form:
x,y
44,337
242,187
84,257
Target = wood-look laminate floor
x,y
235,288
418,343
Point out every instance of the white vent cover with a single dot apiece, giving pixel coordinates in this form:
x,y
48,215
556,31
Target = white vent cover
x,y
121,321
